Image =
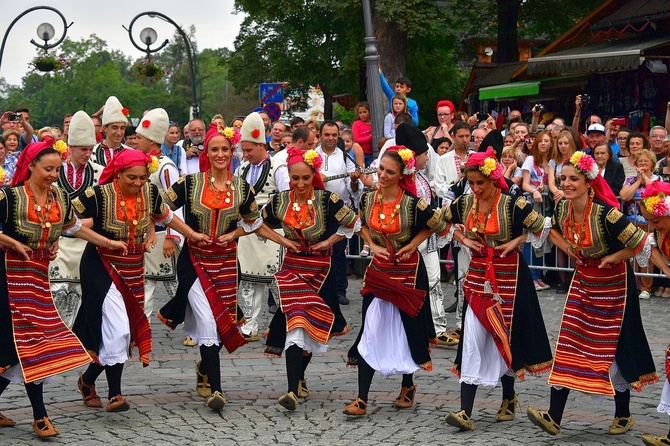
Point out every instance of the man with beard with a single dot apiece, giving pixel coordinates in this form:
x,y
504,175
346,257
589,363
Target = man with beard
x,y
193,145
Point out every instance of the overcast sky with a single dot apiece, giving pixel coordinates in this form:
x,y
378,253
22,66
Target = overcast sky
x,y
216,25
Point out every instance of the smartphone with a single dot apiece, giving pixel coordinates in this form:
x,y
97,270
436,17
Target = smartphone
x,y
14,117
481,116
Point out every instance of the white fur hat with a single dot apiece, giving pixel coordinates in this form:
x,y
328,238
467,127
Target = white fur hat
x,y
82,130
113,112
253,129
154,125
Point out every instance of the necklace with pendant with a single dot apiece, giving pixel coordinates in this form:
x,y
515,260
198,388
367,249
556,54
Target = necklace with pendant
x,y
477,225
387,220
295,207
228,191
122,205
43,217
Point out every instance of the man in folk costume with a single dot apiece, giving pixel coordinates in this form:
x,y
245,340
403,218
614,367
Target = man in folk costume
x,y
77,174
114,122
259,260
160,263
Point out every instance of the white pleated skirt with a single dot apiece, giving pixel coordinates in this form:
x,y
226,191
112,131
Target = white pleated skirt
x,y
199,321
481,362
384,344
298,336
115,329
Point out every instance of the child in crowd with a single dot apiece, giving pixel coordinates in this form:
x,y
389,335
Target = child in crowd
x,y
398,105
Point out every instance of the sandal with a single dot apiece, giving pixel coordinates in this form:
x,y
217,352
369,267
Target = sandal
x,y
6,422
543,420
303,392
357,408
117,404
202,386
365,251
406,398
651,440
91,399
44,428
460,420
621,425
506,411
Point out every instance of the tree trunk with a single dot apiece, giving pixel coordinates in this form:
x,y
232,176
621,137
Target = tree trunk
x,y
392,48
327,103
508,15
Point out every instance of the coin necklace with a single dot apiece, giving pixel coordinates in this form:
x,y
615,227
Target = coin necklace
x,y
43,217
122,204
218,192
479,226
295,207
383,222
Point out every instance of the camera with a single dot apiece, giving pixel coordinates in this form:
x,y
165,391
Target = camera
x,y
14,117
619,121
481,116
586,99
538,108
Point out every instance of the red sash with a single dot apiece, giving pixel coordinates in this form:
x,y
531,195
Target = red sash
x,y
216,267
395,283
590,327
44,344
127,273
299,281
489,288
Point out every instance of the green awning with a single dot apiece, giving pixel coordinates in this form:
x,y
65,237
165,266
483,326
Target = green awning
x,y
512,90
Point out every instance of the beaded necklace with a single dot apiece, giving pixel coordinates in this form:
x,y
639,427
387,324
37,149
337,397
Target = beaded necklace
x,y
217,192
575,233
386,220
122,205
477,225
295,207
43,217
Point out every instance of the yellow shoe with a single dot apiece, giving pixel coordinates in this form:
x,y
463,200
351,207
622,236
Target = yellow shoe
x,y
650,440
202,385
188,342
621,425
460,420
43,428
288,401
303,392
506,411
252,337
217,401
446,340
357,408
543,420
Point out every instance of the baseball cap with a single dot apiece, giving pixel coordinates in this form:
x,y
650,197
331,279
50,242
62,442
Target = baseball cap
x,y
593,128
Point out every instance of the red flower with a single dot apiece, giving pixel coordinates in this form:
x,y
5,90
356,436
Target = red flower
x,y
98,137
125,111
146,123
255,133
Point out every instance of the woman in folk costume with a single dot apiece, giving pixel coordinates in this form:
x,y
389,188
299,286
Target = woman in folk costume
x,y
503,329
313,219
34,214
222,206
397,325
601,347
655,208
111,318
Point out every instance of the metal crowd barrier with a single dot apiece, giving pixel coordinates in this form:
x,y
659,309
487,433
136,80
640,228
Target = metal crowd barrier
x,y
356,244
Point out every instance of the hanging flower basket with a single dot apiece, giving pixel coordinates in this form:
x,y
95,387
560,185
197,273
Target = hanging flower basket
x,y
46,63
147,69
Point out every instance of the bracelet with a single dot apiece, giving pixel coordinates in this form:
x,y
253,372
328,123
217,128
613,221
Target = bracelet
x,y
189,237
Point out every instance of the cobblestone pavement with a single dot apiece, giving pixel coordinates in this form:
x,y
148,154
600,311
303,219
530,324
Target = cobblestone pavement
x,y
166,410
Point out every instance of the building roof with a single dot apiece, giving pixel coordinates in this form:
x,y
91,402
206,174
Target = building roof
x,y
633,13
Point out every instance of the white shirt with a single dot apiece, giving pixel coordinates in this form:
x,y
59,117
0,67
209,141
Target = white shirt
x,y
334,164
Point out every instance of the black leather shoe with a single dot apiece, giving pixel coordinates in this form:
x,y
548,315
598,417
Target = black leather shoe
x,y
343,299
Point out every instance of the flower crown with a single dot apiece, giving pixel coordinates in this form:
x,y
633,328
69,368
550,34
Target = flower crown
x,y
313,158
60,147
491,168
658,205
232,134
153,164
408,160
585,164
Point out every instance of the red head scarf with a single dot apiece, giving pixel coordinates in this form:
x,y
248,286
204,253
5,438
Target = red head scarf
x,y
488,168
313,160
408,167
27,156
232,134
123,160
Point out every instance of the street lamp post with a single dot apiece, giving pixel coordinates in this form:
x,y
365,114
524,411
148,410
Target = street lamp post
x,y
45,31
372,74
148,36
